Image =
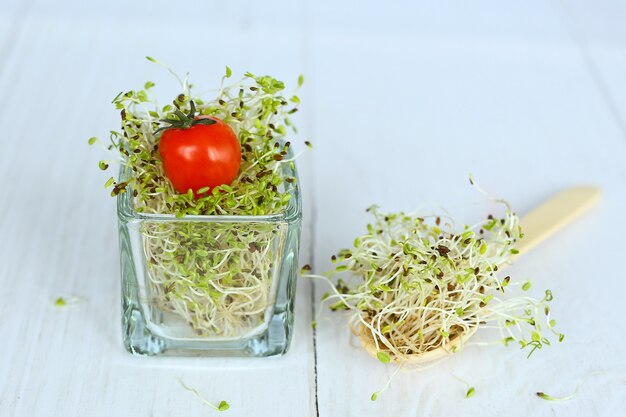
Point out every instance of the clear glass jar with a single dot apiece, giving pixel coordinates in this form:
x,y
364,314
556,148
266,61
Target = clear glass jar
x,y
209,285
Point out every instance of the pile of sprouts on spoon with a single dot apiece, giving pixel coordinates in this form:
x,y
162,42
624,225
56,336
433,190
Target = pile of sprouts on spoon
x,y
214,277
415,283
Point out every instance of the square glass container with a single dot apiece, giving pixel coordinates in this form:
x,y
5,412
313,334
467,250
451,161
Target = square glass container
x,y
209,285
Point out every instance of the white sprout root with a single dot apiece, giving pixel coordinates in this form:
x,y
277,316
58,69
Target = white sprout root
x,y
216,276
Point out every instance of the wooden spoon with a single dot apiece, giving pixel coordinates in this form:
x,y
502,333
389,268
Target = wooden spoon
x,y
537,226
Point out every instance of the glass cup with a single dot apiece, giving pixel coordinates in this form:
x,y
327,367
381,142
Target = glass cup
x,y
209,285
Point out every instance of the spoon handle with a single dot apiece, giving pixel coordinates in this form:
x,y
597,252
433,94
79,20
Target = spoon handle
x,y
554,214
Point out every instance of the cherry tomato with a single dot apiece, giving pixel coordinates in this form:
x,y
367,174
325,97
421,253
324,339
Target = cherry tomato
x,y
201,155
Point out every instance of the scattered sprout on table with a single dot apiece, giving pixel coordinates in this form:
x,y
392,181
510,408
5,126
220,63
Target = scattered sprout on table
x,y
470,390
221,406
580,383
66,300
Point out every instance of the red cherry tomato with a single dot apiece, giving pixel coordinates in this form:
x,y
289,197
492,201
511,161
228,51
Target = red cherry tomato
x,y
200,156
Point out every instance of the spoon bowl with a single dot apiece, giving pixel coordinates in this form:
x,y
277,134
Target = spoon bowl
x,y
454,345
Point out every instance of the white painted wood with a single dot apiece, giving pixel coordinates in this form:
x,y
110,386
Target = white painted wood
x,y
58,224
595,21
411,114
402,101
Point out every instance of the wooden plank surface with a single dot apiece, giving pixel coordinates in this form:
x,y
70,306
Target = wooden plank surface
x,y
401,101
60,233
412,113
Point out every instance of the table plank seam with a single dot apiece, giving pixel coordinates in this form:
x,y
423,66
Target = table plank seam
x,y
312,234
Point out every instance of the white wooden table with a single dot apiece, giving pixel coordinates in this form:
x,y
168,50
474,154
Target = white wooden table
x,y
402,101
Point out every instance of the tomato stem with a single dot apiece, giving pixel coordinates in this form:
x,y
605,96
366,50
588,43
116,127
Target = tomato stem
x,y
184,121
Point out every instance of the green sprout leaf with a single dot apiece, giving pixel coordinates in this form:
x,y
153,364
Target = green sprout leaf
x,y
405,267
109,182
526,286
374,396
229,72
470,392
92,140
60,302
383,357
223,406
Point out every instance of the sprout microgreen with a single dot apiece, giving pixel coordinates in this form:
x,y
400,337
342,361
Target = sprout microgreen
x,y
216,276
66,300
221,406
257,111
580,383
470,390
383,357
417,283
547,397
